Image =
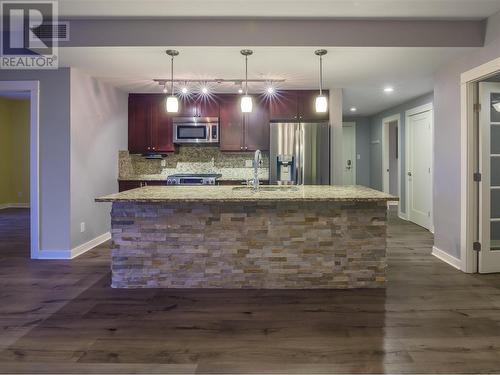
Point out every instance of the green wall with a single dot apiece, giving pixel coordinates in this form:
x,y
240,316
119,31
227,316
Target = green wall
x,y
14,151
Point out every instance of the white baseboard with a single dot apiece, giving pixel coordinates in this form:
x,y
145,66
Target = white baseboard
x,y
76,251
447,258
83,248
4,206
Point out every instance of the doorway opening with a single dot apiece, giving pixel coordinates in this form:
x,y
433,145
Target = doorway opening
x,y
15,172
19,171
420,165
391,161
349,153
480,164
488,163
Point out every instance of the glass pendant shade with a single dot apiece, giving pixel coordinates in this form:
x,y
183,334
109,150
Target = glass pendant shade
x,y
321,104
172,104
497,106
246,104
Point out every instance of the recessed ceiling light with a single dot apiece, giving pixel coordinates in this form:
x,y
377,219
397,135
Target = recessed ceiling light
x,y
389,89
204,90
270,90
240,91
353,109
184,90
165,90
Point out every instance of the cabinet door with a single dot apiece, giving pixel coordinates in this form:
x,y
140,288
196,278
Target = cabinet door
x,y
307,106
257,127
138,124
284,106
124,185
209,106
231,123
188,106
161,125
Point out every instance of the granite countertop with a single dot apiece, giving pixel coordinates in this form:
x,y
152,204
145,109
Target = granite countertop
x,y
244,194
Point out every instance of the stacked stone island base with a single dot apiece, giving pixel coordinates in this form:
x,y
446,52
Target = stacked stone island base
x,y
252,245
300,243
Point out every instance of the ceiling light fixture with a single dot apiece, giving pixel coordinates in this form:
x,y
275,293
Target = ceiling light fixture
x,y
240,91
270,90
204,90
165,90
321,100
497,106
246,100
353,109
172,101
184,89
389,89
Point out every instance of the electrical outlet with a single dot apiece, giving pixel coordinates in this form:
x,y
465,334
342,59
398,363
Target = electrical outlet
x,y
82,227
358,156
163,163
248,163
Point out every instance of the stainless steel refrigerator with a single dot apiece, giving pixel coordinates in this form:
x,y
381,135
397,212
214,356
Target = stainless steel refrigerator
x,y
300,153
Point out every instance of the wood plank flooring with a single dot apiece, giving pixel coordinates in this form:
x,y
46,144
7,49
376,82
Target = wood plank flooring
x,y
62,316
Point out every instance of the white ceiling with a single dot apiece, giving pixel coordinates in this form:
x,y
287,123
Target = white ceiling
x,y
361,72
450,9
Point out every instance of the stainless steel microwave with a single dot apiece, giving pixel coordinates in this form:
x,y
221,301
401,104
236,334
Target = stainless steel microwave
x,y
196,129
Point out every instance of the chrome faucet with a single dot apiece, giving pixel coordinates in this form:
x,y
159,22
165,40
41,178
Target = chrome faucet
x,y
256,163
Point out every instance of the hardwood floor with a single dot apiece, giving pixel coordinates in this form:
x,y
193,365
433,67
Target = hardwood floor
x,y
62,316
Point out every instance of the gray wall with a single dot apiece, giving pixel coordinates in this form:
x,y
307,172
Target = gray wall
x,y
376,142
447,139
98,131
54,136
362,149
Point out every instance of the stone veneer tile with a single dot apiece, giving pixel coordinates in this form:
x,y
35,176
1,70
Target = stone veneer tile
x,y
286,245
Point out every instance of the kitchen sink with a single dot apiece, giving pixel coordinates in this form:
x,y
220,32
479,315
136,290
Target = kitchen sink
x,y
267,188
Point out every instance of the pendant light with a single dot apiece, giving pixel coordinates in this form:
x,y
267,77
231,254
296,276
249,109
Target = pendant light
x,y
321,100
246,100
172,101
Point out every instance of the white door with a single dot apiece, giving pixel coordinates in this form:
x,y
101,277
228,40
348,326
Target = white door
x,y
349,152
419,171
489,165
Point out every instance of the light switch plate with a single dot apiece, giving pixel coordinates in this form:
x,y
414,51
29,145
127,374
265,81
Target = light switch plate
x,y
82,227
358,156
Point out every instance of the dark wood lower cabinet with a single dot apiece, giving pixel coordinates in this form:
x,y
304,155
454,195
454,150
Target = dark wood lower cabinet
x,y
124,185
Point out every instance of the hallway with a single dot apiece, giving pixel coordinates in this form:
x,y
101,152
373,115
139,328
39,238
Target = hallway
x,y
431,318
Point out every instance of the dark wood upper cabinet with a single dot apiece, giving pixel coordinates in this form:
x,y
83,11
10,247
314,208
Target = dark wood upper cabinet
x,y
307,106
284,106
296,105
199,107
149,127
138,117
230,123
257,127
151,130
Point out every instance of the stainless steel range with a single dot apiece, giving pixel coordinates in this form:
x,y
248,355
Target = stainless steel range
x,y
193,179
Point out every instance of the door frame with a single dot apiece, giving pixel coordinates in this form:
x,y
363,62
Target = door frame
x,y
34,89
414,111
354,163
385,156
468,162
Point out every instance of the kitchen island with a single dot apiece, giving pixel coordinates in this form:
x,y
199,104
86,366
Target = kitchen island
x,y
301,237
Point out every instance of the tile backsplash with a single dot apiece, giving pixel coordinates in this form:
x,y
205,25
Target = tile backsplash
x,y
191,159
